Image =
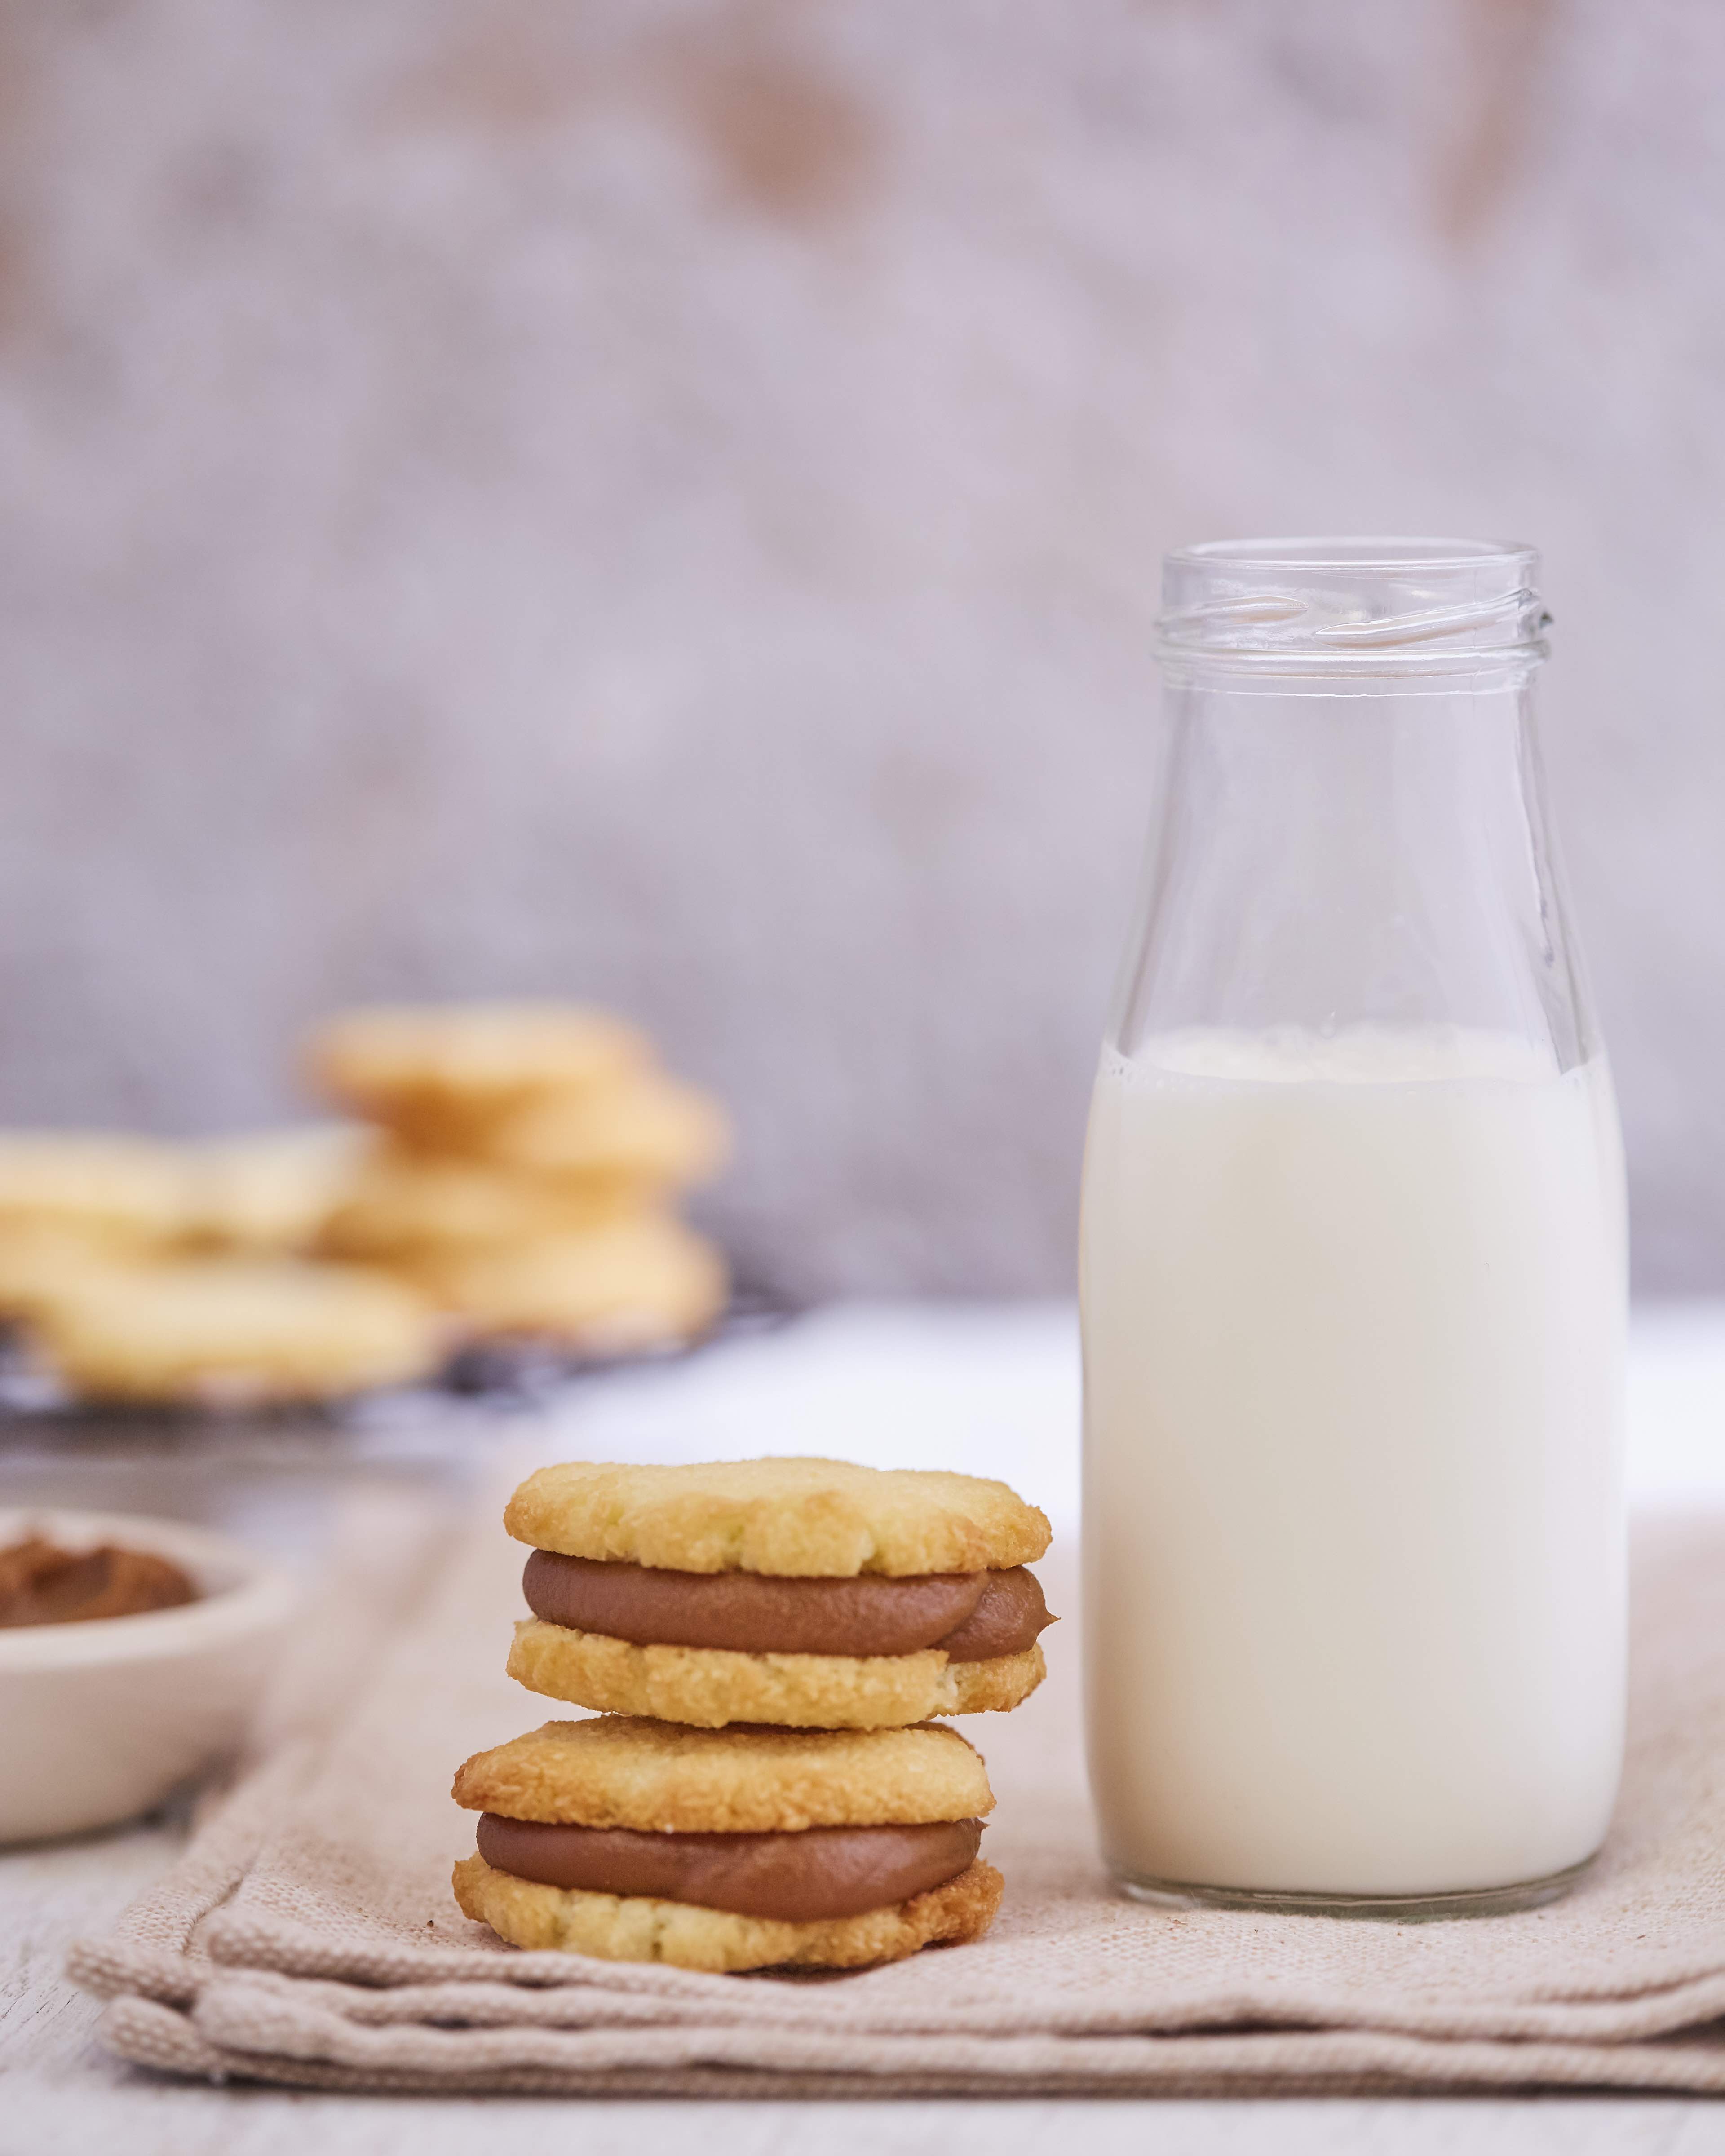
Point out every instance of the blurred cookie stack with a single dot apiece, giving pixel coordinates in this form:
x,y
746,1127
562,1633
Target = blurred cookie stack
x,y
529,1162
155,1274
515,1177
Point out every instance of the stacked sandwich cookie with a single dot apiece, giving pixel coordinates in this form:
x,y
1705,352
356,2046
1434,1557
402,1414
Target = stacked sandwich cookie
x,y
637,1840
514,1176
802,1592
149,1274
769,1639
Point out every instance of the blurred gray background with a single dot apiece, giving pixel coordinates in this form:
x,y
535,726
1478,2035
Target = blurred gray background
x,y
663,502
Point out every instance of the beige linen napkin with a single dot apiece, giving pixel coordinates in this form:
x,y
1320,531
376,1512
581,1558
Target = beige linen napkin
x,y
308,1936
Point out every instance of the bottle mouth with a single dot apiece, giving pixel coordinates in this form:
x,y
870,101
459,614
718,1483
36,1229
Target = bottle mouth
x,y
1353,606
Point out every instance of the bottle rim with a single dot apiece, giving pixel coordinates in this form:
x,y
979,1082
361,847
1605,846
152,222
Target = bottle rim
x,y
1378,551
1353,606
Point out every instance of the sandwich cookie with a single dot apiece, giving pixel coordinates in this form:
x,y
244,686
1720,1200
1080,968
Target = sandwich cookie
x,y
635,1841
810,1594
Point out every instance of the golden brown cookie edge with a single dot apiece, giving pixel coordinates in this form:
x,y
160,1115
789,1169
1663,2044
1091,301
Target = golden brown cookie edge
x,y
721,1516
612,1927
712,1688
633,1771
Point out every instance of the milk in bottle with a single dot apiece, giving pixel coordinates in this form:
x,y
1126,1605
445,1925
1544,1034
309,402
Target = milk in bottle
x,y
1352,1277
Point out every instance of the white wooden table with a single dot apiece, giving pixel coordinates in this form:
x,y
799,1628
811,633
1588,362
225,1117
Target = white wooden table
x,y
991,1388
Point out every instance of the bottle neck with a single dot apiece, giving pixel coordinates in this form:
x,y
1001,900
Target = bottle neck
x,y
1352,848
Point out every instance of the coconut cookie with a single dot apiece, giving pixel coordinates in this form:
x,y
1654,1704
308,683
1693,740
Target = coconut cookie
x,y
438,1073
630,1283
236,1331
809,1593
633,1841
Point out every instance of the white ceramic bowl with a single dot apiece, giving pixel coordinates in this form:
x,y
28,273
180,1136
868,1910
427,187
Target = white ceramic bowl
x,y
99,1721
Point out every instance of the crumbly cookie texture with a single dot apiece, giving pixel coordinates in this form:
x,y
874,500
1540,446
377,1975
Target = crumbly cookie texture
x,y
615,1927
433,1069
652,1130
623,1285
236,1330
819,1519
712,1687
657,1777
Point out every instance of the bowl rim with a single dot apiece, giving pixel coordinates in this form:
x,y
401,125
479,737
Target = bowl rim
x,y
258,1594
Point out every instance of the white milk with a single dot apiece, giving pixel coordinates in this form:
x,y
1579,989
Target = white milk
x,y
1353,1535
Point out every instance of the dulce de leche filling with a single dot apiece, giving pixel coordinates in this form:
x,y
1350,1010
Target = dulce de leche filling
x,y
821,1872
974,1616
42,1584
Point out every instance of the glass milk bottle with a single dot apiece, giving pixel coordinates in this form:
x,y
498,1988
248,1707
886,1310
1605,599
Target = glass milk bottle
x,y
1352,1268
